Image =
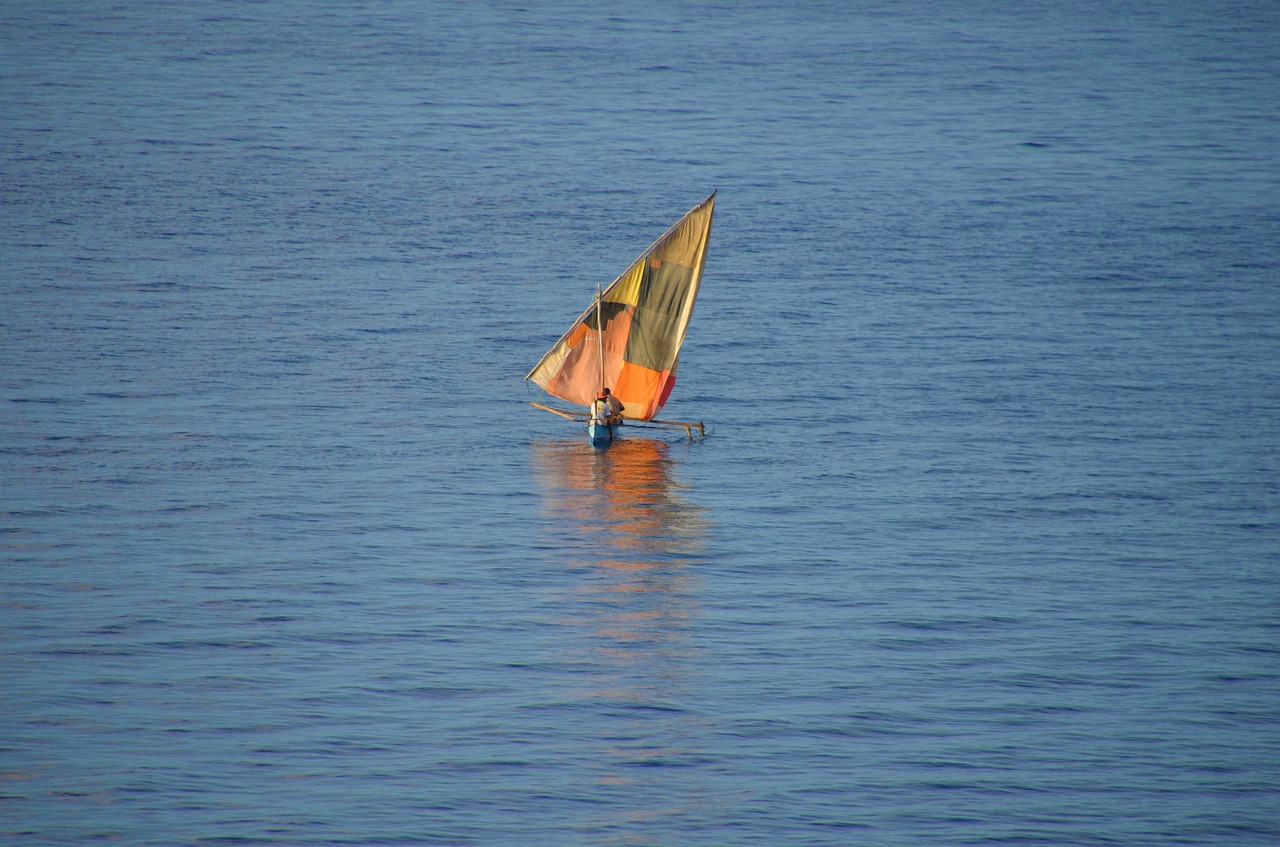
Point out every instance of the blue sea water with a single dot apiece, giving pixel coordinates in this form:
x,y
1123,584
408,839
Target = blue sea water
x,y
983,547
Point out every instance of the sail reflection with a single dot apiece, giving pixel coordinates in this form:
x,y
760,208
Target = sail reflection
x,y
621,520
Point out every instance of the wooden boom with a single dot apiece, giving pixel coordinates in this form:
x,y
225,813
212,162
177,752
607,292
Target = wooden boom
x,y
559,412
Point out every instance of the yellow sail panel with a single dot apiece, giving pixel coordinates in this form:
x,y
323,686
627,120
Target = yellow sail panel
x,y
626,288
638,325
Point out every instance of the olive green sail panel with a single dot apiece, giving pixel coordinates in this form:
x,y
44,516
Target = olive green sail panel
x,y
657,327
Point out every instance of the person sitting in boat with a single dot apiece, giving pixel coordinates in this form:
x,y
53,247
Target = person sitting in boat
x,y
615,406
607,409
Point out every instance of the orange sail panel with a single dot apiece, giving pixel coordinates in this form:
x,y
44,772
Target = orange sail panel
x,y
638,325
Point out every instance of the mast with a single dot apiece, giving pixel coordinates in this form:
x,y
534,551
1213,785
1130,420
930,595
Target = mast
x,y
600,337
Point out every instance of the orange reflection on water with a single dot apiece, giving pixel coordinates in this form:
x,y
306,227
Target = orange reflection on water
x,y
618,508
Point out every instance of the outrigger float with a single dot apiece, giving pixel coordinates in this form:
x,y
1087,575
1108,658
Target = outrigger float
x,y
628,339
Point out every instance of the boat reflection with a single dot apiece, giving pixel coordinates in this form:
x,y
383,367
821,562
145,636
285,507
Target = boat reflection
x,y
621,521
618,508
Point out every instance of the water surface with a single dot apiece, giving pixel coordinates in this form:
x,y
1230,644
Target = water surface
x,y
982,546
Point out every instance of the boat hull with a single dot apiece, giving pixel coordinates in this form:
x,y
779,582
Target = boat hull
x,y
601,435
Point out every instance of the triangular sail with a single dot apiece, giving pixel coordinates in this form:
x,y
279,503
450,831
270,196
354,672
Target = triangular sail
x,y
645,313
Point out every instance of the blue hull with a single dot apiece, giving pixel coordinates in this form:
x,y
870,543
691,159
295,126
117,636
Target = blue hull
x,y
601,435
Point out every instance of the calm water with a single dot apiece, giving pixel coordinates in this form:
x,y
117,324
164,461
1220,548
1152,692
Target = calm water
x,y
984,547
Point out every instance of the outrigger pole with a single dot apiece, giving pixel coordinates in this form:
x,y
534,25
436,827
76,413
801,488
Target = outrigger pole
x,y
688,427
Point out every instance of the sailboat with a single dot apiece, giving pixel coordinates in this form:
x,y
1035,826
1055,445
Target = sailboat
x,y
628,340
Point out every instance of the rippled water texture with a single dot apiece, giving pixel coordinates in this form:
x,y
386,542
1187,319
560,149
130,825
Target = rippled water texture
x,y
982,547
